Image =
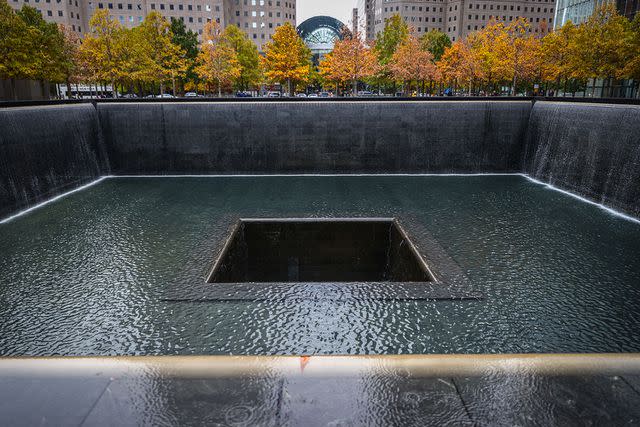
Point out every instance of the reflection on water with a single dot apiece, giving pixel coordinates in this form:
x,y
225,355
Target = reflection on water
x,y
87,274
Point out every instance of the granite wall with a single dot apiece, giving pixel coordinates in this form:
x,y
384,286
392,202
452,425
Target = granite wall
x,y
589,149
315,137
46,150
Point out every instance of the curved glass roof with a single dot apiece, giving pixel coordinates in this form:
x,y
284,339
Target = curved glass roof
x,y
321,32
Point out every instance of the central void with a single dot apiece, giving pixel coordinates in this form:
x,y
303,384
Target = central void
x,y
319,250
88,274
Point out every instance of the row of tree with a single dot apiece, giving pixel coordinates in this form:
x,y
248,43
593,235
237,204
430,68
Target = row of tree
x,y
159,53
145,58
501,55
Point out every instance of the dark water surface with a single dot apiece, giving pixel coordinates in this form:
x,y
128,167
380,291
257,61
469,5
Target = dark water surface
x,y
86,275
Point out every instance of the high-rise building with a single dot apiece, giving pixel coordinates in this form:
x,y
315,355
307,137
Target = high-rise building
x,y
71,13
355,19
458,18
576,11
258,18
366,18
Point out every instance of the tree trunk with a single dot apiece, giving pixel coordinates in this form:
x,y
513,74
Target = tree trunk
x,y
515,81
354,83
219,89
68,88
173,82
42,92
593,88
114,92
14,92
289,87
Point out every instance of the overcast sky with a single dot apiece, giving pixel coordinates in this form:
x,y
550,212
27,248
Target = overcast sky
x,y
339,9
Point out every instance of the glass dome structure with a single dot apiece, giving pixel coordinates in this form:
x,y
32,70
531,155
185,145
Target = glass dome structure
x,y
320,34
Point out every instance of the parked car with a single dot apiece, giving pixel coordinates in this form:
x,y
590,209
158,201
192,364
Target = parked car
x,y
128,95
312,95
243,95
166,95
324,95
191,95
274,95
301,95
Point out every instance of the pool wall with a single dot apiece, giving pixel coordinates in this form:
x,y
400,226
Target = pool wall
x,y
315,137
47,150
591,149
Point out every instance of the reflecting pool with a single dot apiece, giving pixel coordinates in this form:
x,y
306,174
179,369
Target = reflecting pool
x,y
88,274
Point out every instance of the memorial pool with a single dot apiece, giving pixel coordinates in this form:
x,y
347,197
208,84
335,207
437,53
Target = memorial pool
x,y
89,274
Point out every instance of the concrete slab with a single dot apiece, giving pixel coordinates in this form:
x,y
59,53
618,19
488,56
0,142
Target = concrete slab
x,y
546,390
46,401
135,401
501,400
374,401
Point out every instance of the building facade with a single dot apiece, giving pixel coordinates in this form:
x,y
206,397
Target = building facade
x,y
258,18
366,18
576,11
458,18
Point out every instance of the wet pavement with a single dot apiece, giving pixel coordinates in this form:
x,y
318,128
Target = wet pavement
x,y
547,390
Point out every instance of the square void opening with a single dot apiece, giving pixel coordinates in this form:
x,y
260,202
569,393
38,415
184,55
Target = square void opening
x,y
322,250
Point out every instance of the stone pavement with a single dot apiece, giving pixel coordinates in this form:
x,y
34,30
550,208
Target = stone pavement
x,y
547,390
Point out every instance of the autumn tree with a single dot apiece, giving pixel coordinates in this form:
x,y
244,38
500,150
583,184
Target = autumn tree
x,y
460,64
248,57
394,33
487,47
519,53
556,54
15,47
632,67
104,49
287,58
601,45
411,63
187,40
162,59
70,64
435,42
45,60
387,41
350,61
218,60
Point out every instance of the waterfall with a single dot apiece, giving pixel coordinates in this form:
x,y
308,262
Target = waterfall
x,y
46,150
592,150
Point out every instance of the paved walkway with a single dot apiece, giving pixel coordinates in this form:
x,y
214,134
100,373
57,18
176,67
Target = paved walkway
x,y
549,390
